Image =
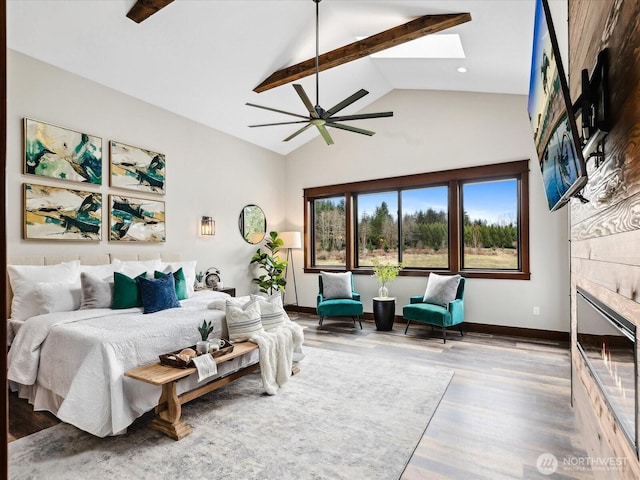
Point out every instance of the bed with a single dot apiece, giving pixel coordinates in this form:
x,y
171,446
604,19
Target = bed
x,y
71,362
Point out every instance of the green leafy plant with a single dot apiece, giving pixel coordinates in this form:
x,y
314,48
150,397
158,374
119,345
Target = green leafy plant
x,y
199,276
205,329
273,278
386,273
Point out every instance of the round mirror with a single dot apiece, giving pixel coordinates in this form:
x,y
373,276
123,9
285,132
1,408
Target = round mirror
x,y
252,224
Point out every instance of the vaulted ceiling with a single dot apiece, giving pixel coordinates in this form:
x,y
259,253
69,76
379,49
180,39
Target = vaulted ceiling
x,y
202,59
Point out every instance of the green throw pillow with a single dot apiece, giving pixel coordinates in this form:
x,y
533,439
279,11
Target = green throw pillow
x,y
180,280
126,291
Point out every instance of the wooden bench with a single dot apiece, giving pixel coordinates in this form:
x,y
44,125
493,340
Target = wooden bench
x,y
169,407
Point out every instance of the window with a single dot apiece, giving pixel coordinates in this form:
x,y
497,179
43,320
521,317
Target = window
x,y
377,237
329,231
425,227
490,225
473,221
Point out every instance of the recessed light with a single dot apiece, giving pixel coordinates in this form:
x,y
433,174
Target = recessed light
x,y
462,70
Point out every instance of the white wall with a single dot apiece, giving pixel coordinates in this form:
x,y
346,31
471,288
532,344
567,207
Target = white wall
x,y
433,131
208,172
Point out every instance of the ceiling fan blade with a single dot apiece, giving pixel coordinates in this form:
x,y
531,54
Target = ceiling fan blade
x,y
279,123
278,111
143,9
360,116
296,133
305,99
417,28
345,103
350,128
325,134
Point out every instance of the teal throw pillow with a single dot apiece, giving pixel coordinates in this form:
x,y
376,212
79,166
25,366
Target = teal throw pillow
x,y
158,293
126,292
180,281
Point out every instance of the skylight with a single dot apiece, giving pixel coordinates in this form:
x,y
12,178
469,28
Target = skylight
x,y
445,45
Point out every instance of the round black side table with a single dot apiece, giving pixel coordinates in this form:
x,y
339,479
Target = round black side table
x,y
384,311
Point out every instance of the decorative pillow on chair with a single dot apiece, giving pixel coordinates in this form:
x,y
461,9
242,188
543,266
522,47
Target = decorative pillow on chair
x,y
126,291
336,285
158,293
272,312
24,277
243,321
96,293
180,281
441,289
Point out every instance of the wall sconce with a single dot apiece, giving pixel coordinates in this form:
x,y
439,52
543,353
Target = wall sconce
x,y
207,226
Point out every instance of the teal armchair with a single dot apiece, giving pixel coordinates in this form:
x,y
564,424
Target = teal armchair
x,y
339,307
436,315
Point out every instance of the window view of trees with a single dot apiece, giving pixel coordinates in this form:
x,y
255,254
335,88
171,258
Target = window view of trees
x,y
329,231
377,228
473,221
490,224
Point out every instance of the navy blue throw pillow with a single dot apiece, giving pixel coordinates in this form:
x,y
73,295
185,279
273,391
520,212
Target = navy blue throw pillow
x,y
158,293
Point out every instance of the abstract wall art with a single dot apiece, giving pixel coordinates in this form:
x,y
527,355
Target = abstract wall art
x,y
135,168
53,213
60,153
136,220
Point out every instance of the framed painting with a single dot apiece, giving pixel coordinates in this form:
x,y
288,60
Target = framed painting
x,y
60,153
54,213
136,220
135,168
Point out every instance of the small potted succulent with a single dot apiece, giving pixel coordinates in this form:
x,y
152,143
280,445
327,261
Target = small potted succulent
x,y
385,273
205,330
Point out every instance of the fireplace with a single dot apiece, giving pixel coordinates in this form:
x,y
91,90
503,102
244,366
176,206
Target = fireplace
x,y
606,341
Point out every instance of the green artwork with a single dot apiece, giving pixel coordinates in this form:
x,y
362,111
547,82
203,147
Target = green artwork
x,y
61,153
137,169
52,213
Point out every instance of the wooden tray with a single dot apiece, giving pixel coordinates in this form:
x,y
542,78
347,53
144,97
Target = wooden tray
x,y
171,360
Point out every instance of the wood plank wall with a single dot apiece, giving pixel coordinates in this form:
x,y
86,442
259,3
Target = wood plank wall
x,y
605,233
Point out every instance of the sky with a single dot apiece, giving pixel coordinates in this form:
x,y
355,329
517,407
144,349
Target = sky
x,y
492,201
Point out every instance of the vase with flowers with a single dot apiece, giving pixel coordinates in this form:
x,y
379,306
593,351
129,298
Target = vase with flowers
x,y
385,273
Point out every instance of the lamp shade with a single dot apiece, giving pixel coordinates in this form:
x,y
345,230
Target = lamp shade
x,y
207,226
291,239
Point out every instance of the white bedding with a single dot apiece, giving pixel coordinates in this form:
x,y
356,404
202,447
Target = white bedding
x,y
72,363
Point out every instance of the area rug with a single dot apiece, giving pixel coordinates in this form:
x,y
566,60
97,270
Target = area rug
x,y
343,416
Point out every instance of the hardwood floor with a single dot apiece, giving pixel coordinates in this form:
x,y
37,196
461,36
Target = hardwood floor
x,y
508,402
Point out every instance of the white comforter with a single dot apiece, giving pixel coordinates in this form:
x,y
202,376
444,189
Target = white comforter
x,y
72,363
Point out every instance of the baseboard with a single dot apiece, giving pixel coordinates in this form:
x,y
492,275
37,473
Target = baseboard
x,y
531,333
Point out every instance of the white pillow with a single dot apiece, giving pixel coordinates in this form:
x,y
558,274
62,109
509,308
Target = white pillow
x,y
336,285
100,271
243,321
441,289
221,303
189,270
56,297
272,312
133,268
24,277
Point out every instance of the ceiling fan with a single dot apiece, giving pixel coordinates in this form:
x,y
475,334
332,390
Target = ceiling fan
x,y
319,117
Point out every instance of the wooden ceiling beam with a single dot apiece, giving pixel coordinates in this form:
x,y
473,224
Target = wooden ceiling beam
x,y
417,28
143,9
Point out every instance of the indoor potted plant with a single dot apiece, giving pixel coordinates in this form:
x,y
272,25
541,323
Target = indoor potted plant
x,y
385,273
205,330
273,279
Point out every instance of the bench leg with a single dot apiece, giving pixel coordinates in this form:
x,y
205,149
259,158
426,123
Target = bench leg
x,y
168,419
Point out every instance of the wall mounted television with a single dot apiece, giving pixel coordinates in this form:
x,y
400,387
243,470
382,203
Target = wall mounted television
x,y
552,116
